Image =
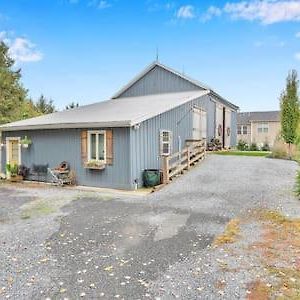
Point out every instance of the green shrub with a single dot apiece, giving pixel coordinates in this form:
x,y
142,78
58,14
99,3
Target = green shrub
x,y
8,168
253,147
265,147
14,170
242,145
297,185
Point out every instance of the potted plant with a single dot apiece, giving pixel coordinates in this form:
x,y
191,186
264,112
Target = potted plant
x,y
14,177
25,142
8,171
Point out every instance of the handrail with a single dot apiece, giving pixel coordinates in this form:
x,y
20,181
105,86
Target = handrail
x,y
176,163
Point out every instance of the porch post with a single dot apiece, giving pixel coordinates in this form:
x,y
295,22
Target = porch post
x,y
165,169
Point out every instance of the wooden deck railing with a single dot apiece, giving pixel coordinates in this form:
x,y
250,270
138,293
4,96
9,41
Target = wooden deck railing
x,y
176,163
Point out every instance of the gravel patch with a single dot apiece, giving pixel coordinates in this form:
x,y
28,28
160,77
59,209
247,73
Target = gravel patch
x,y
61,243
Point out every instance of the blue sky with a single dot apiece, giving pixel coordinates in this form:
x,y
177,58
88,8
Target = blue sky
x,y
85,50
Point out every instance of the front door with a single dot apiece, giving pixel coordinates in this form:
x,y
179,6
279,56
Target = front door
x,y
13,151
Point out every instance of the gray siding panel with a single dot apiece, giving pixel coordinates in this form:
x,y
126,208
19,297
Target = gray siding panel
x,y
233,140
54,146
145,140
134,149
159,81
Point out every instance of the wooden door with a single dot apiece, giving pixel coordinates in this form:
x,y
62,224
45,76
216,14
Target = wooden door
x,y
13,152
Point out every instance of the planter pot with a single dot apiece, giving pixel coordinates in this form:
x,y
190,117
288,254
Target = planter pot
x,y
16,178
25,146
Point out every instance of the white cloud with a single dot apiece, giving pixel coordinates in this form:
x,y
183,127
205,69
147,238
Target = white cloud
x,y
297,56
100,4
154,6
21,49
211,12
186,12
265,11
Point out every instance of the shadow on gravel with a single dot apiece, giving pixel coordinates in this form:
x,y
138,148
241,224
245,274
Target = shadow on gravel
x,y
117,248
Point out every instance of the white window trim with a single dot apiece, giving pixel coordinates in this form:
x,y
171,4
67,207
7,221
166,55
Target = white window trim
x,y
97,132
13,138
262,126
237,129
162,142
242,130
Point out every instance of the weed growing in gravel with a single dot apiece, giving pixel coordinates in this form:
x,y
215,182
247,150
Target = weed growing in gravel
x,y
39,208
297,184
279,247
230,234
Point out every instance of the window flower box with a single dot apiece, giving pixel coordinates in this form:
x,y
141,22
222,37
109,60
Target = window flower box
x,y
95,165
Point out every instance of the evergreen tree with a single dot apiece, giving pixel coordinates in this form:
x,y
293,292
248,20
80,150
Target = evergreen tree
x,y
72,105
289,104
45,106
13,96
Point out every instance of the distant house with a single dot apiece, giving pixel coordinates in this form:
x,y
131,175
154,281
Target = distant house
x,y
258,127
110,143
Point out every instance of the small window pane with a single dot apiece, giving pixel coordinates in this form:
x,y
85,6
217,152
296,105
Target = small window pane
x,y
101,147
166,136
244,129
263,127
93,146
166,148
239,131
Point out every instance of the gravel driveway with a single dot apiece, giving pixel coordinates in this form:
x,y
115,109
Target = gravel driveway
x,y
64,244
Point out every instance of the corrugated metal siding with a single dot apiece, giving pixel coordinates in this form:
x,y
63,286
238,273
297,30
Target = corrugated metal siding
x,y
54,146
159,81
134,149
144,148
233,140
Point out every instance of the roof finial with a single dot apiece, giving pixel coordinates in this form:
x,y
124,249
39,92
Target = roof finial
x,y
157,54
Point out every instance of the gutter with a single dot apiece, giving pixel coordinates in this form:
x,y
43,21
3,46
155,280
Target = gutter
x,y
67,126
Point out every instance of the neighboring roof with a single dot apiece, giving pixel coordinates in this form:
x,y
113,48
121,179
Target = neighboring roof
x,y
183,76
247,117
128,112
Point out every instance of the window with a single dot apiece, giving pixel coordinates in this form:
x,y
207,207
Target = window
x,y
96,146
262,127
239,129
242,129
165,142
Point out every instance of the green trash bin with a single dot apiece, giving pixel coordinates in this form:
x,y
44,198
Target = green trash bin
x,y
151,177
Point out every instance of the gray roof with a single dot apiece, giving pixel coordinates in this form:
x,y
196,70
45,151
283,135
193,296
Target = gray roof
x,y
183,76
256,116
111,113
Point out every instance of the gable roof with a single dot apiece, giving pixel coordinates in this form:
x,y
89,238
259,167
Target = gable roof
x,y
126,113
197,83
247,117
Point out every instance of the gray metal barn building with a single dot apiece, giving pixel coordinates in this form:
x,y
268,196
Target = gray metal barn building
x,y
110,143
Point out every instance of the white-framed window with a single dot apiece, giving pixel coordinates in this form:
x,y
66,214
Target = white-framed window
x,y
263,127
97,145
239,129
242,129
165,142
